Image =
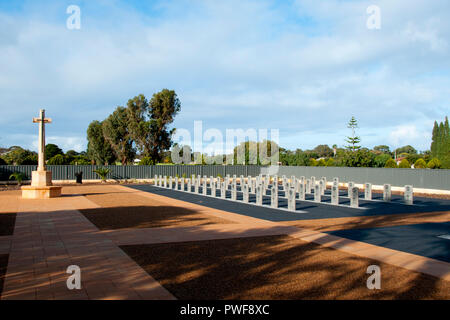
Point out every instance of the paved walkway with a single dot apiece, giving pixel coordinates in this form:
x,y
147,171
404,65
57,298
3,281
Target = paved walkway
x,y
51,235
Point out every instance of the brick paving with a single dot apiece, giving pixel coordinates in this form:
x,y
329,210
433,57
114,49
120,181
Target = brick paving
x,y
50,235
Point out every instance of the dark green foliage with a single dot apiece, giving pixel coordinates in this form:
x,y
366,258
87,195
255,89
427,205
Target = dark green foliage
x,y
57,160
18,156
440,145
18,176
404,164
321,163
380,160
420,164
102,173
382,149
330,162
146,161
323,151
406,149
312,162
99,150
52,150
116,133
163,107
390,163
353,140
434,164
2,162
359,158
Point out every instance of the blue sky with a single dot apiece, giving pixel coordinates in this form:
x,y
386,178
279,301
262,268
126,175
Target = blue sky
x,y
303,67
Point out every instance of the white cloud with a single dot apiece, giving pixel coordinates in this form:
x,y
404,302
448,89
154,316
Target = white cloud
x,y
233,64
410,135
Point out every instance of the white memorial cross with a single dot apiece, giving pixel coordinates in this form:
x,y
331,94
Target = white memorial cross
x,y
42,120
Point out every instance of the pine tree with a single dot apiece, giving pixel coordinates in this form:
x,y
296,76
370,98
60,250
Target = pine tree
x,y
440,145
434,142
353,140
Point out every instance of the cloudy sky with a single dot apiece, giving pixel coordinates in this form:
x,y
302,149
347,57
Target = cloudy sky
x,y
303,67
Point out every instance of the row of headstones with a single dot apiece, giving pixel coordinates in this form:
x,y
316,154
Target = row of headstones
x,y
260,184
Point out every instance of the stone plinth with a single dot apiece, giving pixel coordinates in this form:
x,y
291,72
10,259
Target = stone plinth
x,y
41,186
41,178
47,192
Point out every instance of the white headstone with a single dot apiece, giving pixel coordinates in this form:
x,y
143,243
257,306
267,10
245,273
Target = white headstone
x,y
176,183
387,194
321,187
409,195
301,191
317,194
182,184
335,194
354,197
367,191
259,196
165,182
234,191
213,188
205,187
245,196
291,199
223,190
350,185
274,198
196,185
189,185
308,186
155,180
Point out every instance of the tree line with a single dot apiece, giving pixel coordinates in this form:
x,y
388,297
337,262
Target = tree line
x,y
141,129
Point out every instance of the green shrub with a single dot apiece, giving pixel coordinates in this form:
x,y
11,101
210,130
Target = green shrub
x,y
434,164
2,162
390,163
57,160
330,162
380,160
404,164
102,173
31,159
146,161
18,176
321,163
420,164
313,162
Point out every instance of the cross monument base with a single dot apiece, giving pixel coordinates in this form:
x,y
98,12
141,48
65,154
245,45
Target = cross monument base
x,y
41,187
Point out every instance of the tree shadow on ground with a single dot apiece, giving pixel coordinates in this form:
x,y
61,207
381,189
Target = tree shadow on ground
x,y
3,267
148,217
7,222
275,267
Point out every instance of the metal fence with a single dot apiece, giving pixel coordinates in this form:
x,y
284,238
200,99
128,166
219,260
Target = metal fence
x,y
418,178
67,172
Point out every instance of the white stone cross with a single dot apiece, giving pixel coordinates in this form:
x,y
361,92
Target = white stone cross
x,y
42,120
